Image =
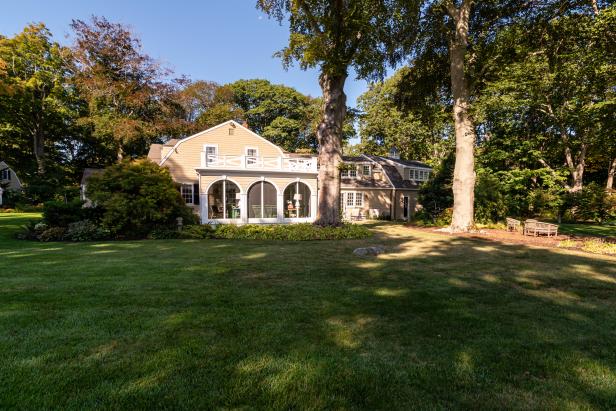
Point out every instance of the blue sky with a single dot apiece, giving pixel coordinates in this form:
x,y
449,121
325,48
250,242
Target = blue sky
x,y
217,40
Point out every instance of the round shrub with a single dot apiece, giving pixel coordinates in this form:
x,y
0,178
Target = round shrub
x,y
85,230
52,234
136,197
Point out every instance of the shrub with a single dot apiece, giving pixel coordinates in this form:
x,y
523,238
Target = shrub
x,y
52,234
592,203
137,197
291,232
85,230
61,214
31,230
191,232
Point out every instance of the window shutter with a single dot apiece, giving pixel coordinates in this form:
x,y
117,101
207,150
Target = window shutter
x,y
196,194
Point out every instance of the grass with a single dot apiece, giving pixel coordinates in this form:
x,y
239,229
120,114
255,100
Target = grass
x,y
597,230
439,322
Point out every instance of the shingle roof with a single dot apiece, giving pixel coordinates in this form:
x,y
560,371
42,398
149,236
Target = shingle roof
x,y
363,183
353,159
392,172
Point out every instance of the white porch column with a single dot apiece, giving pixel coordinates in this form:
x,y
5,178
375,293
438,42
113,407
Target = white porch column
x,y
244,208
280,208
313,206
204,207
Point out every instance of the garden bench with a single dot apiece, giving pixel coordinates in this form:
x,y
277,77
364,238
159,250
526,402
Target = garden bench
x,y
513,224
535,228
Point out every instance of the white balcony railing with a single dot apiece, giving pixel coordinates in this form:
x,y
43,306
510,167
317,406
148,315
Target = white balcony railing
x,y
289,164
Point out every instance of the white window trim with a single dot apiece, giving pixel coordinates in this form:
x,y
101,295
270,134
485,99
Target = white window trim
x,y
256,157
363,169
354,195
206,146
417,174
192,193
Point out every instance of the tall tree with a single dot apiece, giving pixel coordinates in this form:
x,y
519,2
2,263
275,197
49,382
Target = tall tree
x,y
35,98
123,86
335,36
407,112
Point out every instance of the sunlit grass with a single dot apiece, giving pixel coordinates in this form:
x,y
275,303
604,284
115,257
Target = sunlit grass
x,y
437,322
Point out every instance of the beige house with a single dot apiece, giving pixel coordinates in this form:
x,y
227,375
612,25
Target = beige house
x,y
229,174
381,187
8,180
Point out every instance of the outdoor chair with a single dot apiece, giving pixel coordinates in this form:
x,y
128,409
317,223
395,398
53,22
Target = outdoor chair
x,y
535,228
513,224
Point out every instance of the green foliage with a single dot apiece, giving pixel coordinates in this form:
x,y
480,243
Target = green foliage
x,y
291,232
137,197
191,232
592,203
435,195
61,214
390,117
85,230
52,234
490,204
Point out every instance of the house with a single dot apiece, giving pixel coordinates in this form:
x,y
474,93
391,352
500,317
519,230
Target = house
x,y
229,174
87,173
381,187
8,180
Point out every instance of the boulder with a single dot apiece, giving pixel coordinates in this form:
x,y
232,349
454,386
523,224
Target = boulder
x,y
367,251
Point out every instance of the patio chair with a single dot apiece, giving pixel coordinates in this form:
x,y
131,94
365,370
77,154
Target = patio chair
x,y
513,224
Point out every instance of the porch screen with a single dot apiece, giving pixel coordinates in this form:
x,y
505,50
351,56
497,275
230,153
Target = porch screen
x,y
262,200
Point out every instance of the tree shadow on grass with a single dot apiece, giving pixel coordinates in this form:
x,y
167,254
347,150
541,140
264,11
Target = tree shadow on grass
x,y
437,322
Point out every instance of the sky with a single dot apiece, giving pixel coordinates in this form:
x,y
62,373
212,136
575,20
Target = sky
x,y
215,40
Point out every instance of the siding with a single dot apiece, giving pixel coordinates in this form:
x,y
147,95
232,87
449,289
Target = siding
x,y
186,158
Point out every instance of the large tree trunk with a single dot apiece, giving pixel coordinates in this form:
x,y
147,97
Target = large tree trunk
x,y
38,146
610,175
329,137
576,168
464,171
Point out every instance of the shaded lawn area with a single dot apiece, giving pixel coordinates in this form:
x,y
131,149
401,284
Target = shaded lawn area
x,y
598,230
439,322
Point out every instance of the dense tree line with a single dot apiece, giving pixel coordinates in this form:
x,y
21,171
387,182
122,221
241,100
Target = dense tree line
x,y
103,99
540,103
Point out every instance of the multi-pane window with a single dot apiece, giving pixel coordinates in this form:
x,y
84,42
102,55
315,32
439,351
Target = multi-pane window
x,y
353,173
5,174
344,173
417,174
354,199
359,199
210,153
251,155
367,170
350,199
187,193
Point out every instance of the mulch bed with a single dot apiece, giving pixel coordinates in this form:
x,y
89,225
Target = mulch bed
x,y
508,237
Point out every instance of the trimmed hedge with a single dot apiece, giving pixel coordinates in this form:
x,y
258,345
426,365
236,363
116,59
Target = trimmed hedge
x,y
291,232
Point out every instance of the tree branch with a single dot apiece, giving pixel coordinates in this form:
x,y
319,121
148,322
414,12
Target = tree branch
x,y
311,19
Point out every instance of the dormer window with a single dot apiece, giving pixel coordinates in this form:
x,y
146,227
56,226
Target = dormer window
x,y
393,153
417,174
5,174
366,170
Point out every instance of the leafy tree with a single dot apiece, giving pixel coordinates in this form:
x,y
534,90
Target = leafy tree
x,y
136,197
335,36
37,105
552,87
395,114
123,87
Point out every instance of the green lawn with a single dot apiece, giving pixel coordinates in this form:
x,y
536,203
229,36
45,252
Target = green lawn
x,y
437,323
598,230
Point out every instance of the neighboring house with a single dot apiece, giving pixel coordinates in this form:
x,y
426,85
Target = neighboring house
x,y
8,180
376,186
87,173
229,174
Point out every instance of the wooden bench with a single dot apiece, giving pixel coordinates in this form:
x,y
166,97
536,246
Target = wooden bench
x,y
513,224
535,228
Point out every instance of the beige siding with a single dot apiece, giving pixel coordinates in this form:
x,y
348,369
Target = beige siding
x,y
186,157
14,183
373,200
400,194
